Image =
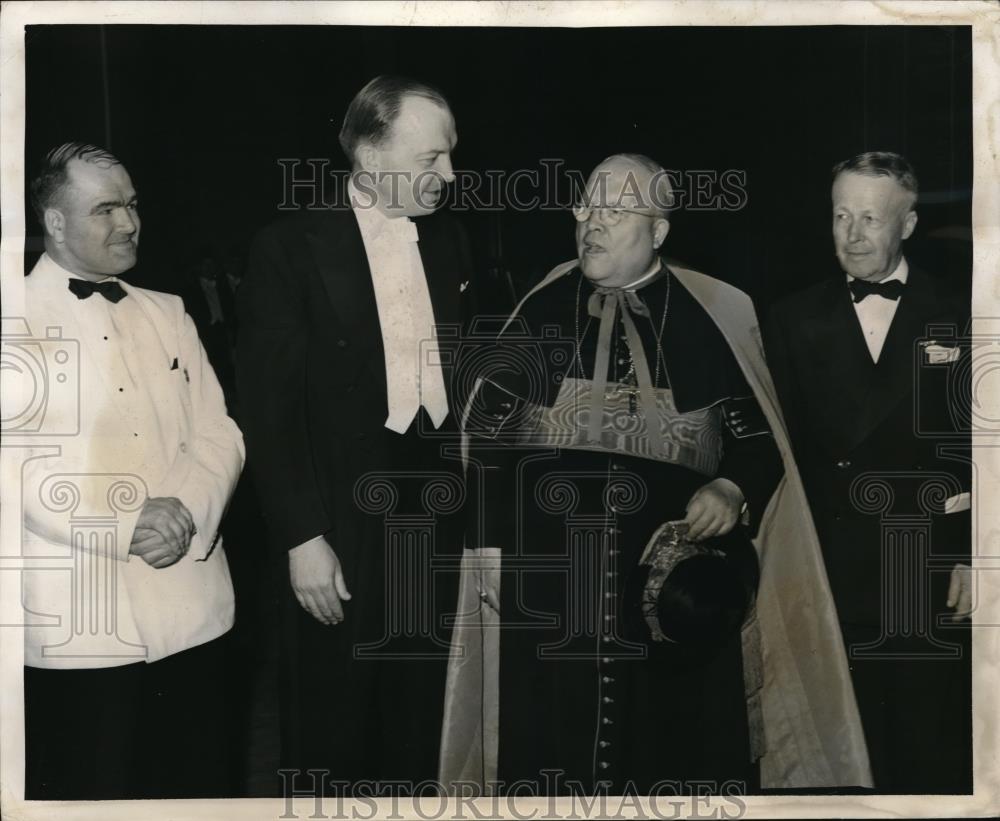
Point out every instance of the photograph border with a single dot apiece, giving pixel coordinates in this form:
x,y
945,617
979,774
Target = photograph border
x,y
984,19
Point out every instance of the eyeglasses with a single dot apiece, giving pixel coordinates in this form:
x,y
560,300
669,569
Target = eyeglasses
x,y
611,216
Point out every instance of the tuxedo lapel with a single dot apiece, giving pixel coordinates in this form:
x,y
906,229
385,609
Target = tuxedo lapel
x,y
157,353
436,254
842,367
339,253
54,305
338,250
895,372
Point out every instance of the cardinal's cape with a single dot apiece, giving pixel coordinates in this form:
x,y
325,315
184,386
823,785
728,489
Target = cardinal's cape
x,y
804,721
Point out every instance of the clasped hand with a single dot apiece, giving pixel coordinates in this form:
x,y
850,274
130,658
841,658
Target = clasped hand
x,y
163,532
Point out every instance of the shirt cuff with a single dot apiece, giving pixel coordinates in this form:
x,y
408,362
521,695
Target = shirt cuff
x,y
958,503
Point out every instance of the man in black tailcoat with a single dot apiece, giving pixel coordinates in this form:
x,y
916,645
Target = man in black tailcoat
x,y
347,414
870,369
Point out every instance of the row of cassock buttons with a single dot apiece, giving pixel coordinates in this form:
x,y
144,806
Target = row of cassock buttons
x,y
607,701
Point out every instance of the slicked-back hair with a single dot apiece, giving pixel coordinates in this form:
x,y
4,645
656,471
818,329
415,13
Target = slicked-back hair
x,y
662,195
882,164
374,109
52,176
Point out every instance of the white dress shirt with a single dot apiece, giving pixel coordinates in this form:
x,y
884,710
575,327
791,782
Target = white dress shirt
x,y
875,313
120,339
412,365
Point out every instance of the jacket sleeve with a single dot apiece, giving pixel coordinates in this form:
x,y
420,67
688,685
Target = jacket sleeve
x,y
271,372
47,479
205,477
750,459
750,455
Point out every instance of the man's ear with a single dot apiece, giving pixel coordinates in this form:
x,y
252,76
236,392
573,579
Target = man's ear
x,y
909,223
660,230
368,157
55,224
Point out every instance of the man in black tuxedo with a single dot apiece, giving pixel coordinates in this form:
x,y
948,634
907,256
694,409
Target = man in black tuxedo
x,y
347,415
868,368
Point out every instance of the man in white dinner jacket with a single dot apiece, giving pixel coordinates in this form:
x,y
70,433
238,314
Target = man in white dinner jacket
x,y
131,600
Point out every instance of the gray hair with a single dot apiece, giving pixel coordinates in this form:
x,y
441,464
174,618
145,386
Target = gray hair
x,y
882,164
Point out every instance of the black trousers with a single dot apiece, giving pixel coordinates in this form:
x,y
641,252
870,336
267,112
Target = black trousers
x,y
158,730
916,713
363,700
914,698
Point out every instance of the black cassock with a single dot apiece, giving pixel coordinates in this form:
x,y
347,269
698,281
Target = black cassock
x,y
583,691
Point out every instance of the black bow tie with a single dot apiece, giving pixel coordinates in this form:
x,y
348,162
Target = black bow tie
x,y
83,288
860,288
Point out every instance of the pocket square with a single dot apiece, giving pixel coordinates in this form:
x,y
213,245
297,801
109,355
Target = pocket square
x,y
940,354
175,365
463,286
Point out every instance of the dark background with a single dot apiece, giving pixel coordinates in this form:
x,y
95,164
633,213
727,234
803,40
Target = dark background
x,y
201,114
